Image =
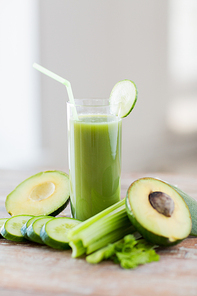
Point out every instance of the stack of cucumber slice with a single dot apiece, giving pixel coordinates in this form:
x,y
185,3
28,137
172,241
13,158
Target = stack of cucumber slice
x,y
47,230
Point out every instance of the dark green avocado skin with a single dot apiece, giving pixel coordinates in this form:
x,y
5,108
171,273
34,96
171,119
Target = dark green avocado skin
x,y
148,235
192,205
60,209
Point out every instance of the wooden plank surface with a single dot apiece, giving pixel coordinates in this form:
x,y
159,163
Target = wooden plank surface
x,y
31,269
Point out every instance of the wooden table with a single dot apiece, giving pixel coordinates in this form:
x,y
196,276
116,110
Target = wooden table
x,y
31,269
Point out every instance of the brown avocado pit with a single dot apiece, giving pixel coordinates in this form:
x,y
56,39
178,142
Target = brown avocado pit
x,y
162,203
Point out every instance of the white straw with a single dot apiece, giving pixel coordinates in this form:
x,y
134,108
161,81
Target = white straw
x,y
61,80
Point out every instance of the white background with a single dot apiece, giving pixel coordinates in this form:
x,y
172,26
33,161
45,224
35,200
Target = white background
x,y
95,44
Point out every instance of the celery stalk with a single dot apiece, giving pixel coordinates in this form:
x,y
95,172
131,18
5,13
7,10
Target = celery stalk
x,y
77,249
110,238
111,222
96,217
107,226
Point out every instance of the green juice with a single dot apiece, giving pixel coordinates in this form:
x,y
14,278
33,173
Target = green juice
x,y
95,164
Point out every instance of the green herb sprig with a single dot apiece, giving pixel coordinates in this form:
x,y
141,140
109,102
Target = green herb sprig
x,y
129,252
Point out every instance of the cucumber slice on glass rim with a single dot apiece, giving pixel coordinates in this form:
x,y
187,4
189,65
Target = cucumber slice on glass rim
x,y
55,232
11,229
123,98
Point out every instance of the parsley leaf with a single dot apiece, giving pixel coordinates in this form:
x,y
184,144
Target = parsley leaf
x,y
128,252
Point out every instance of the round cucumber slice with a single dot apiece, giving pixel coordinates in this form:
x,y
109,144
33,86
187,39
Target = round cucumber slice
x,y
158,212
123,98
11,229
46,193
55,232
2,221
33,231
28,223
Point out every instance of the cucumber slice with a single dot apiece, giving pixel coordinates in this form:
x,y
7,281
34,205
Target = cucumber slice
x,y
123,98
11,229
55,232
33,231
28,223
46,193
2,221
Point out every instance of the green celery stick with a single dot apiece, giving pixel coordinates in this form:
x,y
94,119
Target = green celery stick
x,y
77,249
106,227
110,238
114,220
95,218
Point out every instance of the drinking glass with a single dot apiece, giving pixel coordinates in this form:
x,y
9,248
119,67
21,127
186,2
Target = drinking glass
x,y
94,153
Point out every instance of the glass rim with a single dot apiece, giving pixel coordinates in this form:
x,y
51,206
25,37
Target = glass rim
x,y
91,102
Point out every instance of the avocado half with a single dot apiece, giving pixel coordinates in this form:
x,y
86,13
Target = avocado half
x,y
46,193
158,212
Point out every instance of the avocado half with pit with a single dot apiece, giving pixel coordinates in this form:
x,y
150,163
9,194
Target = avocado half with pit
x,y
158,212
46,193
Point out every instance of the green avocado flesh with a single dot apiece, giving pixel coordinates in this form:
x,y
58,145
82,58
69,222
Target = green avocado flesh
x,y
46,193
151,220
